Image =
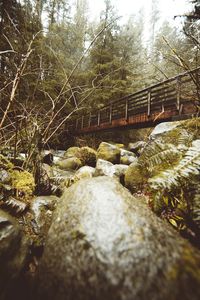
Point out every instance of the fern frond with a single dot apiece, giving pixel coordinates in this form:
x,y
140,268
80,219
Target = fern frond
x,y
196,207
185,138
160,154
188,166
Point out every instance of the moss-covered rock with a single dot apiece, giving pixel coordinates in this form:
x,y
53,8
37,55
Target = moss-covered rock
x,y
13,255
42,208
127,157
72,152
109,152
134,178
72,163
106,244
136,147
87,156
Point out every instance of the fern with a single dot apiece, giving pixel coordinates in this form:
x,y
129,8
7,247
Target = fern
x,y
159,155
196,207
187,167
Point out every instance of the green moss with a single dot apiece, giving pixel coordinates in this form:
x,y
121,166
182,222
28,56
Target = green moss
x,y
72,152
87,156
188,266
134,177
109,152
22,181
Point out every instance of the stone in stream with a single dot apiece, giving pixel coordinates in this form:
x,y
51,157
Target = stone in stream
x,y
13,254
136,147
72,152
105,244
109,152
127,157
84,172
42,208
72,163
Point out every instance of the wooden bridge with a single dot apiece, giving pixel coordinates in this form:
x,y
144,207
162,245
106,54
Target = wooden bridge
x,y
174,98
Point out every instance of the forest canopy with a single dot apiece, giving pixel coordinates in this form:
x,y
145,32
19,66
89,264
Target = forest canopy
x,y
55,63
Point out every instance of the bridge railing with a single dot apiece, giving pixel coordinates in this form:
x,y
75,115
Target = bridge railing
x,y
172,93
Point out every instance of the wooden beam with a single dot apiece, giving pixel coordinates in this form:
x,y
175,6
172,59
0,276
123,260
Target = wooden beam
x,y
110,114
126,110
99,117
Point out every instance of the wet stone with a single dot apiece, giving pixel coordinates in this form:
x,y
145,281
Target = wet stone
x,y
106,244
13,253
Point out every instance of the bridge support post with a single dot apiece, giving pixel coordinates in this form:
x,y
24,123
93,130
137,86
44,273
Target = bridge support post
x,y
110,115
99,117
149,103
126,110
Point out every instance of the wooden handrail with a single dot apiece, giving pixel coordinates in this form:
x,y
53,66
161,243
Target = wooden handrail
x,y
150,97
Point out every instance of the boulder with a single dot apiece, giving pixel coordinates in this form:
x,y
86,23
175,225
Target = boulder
x,y
42,208
87,156
58,155
134,178
106,244
127,157
119,172
164,127
84,172
13,254
104,168
136,147
109,152
47,157
72,163
61,179
72,152
118,145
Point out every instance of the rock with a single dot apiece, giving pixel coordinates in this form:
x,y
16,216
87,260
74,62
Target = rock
x,y
119,172
136,147
72,152
72,163
61,180
106,244
47,158
109,152
13,254
127,157
163,128
134,178
48,169
58,155
121,146
4,176
42,208
87,156
104,168
84,172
